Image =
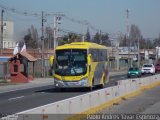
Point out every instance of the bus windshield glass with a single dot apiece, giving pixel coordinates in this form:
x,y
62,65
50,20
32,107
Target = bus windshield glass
x,y
71,62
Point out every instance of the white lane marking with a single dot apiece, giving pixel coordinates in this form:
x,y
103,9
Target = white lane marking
x,y
16,98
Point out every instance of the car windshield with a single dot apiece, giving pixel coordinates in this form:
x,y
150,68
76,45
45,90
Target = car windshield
x,y
71,62
147,65
131,69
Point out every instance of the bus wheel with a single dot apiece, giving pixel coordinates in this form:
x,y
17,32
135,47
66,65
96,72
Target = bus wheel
x,y
91,87
102,85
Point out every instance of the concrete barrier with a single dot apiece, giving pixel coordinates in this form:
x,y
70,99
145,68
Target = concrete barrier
x,y
91,102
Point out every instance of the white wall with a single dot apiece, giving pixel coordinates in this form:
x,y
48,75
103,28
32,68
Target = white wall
x,y
8,34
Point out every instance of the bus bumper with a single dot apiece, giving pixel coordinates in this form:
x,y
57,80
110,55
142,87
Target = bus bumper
x,y
68,84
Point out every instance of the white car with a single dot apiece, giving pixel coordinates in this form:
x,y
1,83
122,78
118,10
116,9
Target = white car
x,y
148,69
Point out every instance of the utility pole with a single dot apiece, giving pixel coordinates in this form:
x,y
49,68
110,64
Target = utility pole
x,y
57,21
82,32
83,28
127,37
54,32
138,54
1,45
100,37
42,39
117,46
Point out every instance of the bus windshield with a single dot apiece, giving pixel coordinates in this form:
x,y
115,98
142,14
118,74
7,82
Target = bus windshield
x,y
71,62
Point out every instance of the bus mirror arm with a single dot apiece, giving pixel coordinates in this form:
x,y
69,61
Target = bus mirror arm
x,y
51,60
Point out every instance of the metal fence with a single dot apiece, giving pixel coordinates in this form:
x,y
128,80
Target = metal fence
x,y
123,65
4,70
38,68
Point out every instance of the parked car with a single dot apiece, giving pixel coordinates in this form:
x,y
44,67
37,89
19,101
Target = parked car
x,y
157,67
148,69
134,71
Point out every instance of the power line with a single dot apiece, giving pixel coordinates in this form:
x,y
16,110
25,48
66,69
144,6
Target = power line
x,y
69,31
1,46
82,23
25,13
35,14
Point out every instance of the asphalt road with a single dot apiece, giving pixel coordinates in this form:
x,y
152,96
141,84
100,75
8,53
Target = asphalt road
x,y
20,100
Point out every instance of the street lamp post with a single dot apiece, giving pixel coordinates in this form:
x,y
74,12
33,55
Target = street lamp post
x,y
138,54
57,20
127,36
1,45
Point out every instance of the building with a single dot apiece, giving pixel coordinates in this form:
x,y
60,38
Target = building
x,y
8,34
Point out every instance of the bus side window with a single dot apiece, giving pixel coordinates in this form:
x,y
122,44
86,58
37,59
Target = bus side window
x,y
101,55
106,55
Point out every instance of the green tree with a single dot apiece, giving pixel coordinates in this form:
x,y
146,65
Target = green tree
x,y
88,36
102,39
49,38
156,42
63,40
149,44
134,35
31,38
69,38
123,40
105,39
73,37
96,38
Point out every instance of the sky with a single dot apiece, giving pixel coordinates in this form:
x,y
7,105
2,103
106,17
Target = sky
x,y
106,15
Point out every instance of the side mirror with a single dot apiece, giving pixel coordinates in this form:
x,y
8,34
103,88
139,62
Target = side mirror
x,y
51,60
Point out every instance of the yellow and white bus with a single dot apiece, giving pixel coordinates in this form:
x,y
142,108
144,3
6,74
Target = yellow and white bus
x,y
80,64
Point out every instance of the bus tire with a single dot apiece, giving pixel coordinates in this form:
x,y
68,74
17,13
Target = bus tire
x,y
91,87
62,89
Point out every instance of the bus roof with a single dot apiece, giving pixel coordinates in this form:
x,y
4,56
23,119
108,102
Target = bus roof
x,y
81,45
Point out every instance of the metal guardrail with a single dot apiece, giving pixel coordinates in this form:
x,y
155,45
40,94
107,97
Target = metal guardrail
x,y
4,70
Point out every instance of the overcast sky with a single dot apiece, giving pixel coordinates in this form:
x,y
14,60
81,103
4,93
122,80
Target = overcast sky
x,y
106,15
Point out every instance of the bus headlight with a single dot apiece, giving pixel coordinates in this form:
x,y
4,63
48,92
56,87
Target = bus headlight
x,y
58,82
84,82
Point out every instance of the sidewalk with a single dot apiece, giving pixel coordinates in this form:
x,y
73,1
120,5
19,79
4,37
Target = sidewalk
x,y
147,102
39,82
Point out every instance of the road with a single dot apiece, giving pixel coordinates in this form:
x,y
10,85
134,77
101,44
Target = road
x,y
20,100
